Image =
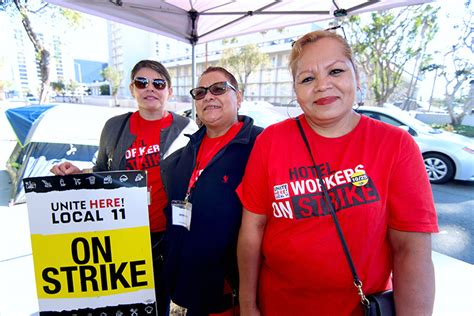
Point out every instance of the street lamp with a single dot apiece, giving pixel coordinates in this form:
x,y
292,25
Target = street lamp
x,y
78,71
432,67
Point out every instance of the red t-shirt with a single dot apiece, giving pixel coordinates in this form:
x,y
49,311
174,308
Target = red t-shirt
x,y
376,179
209,148
144,154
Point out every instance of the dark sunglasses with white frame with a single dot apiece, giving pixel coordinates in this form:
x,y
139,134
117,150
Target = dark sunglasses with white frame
x,y
142,83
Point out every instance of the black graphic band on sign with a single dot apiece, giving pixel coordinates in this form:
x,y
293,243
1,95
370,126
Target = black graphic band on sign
x,y
87,181
127,309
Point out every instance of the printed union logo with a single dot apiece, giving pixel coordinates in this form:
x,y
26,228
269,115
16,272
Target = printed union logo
x,y
281,191
359,178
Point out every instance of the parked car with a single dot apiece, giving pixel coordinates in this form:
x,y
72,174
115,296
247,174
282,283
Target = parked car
x,y
263,113
446,155
32,100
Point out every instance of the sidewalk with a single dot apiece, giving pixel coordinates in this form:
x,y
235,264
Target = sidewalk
x,y
454,278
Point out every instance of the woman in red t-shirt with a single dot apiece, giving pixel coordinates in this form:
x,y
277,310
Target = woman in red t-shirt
x,y
142,140
291,260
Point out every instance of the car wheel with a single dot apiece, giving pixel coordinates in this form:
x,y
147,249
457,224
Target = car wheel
x,y
439,167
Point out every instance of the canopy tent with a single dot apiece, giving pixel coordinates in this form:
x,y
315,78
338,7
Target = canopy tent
x,y
50,134
200,21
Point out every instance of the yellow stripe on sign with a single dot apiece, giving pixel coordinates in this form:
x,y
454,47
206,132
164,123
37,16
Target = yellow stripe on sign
x,y
91,264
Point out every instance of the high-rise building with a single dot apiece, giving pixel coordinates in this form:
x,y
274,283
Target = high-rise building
x,y
18,57
128,45
272,83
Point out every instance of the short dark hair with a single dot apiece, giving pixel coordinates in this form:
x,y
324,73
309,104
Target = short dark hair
x,y
230,77
154,65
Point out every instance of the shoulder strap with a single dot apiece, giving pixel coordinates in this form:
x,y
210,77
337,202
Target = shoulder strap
x,y
357,281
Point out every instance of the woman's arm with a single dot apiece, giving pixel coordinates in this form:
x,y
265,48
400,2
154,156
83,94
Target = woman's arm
x,y
413,272
249,259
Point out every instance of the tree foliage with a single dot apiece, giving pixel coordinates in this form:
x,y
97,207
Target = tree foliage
x,y
458,68
26,11
58,86
242,61
114,77
387,42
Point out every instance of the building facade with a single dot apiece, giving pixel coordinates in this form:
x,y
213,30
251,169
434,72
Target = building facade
x,y
272,83
19,68
23,72
127,45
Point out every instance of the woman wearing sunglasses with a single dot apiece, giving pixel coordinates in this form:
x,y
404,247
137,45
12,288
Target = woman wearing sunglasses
x,y
142,141
204,217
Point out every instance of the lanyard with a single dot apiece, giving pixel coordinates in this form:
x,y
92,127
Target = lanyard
x,y
195,174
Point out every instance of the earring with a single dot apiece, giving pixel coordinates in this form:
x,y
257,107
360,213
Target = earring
x,y
359,97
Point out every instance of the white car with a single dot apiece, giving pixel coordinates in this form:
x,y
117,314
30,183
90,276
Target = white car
x,y
447,155
263,113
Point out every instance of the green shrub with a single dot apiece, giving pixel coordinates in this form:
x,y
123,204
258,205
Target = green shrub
x,y
465,130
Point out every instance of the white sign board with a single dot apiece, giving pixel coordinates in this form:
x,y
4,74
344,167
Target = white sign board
x,y
91,243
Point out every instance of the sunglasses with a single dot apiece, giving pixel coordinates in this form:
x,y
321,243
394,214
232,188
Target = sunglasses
x,y
217,88
142,83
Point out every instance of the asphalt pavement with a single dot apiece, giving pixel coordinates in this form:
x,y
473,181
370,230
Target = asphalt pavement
x,y
455,208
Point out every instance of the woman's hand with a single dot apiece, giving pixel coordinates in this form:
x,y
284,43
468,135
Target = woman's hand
x,y
249,310
249,258
64,169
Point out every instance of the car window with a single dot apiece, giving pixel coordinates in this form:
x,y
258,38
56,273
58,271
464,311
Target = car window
x,y
373,115
388,119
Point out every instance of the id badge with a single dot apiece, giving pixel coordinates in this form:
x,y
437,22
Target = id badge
x,y
181,213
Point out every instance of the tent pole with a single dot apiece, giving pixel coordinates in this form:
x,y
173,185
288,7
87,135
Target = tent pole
x,y
193,78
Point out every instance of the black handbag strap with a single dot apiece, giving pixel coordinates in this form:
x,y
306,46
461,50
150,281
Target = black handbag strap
x,y
357,281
